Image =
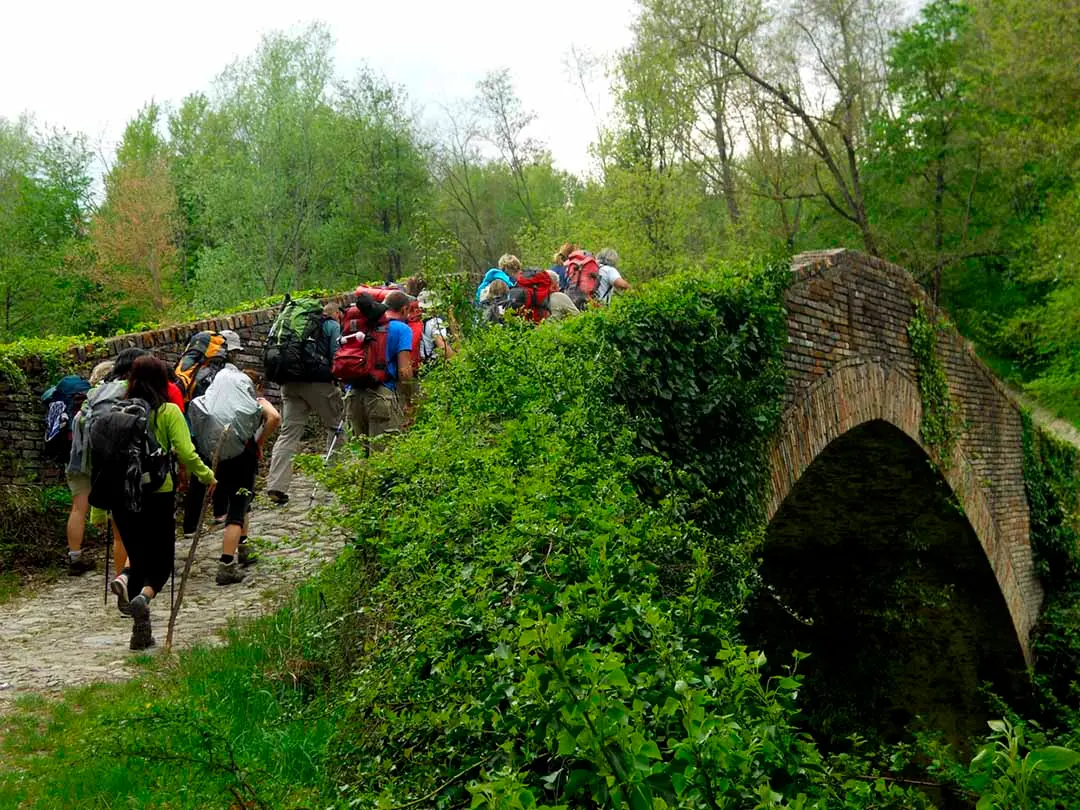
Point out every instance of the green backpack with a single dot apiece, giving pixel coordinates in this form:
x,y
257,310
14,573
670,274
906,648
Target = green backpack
x,y
297,348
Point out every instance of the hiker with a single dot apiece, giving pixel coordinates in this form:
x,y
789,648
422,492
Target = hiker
x,y
206,354
304,370
201,377
582,278
232,400
110,387
495,301
506,272
79,484
560,303
435,339
64,401
374,359
414,285
531,298
145,513
610,277
559,265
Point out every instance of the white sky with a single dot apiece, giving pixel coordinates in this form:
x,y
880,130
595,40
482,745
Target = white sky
x,y
89,66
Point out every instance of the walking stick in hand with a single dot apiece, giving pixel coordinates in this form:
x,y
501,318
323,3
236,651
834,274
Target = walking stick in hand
x,y
194,544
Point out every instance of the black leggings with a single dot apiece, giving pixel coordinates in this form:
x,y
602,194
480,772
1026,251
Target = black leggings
x,y
149,537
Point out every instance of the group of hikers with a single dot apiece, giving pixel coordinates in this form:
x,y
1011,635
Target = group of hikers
x,y
122,431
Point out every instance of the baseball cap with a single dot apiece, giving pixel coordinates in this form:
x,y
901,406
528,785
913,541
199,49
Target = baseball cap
x,y
232,340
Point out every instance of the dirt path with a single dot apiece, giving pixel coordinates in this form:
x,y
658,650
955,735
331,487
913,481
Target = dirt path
x,y
64,635
1064,430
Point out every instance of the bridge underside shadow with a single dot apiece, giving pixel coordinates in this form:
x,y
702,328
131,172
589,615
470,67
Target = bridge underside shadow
x,y
875,571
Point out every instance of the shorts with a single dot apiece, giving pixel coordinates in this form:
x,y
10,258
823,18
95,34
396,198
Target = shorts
x,y
79,484
236,482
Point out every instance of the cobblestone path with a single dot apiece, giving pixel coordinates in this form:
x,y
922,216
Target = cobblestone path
x,y
64,634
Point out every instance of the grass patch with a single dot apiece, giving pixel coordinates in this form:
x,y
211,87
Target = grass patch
x,y
245,724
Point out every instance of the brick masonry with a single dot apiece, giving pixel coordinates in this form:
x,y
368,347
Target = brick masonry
x,y
849,362
22,414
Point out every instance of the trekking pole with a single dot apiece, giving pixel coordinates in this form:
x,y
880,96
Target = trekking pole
x,y
175,610
333,443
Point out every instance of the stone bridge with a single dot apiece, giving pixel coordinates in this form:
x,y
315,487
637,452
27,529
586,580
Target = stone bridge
x,y
852,375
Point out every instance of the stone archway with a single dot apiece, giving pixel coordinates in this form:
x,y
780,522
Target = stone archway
x,y
856,393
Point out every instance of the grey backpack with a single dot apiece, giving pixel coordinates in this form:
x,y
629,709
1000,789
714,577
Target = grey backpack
x,y
229,401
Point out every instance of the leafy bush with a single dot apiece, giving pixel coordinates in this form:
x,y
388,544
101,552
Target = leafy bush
x,y
554,559
32,525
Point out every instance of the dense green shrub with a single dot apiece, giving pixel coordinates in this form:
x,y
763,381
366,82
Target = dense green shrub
x,y
553,562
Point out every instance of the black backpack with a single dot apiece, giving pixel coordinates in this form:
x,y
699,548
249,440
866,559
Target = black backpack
x,y
297,348
126,461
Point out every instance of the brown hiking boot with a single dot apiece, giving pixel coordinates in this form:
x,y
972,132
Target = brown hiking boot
x,y
229,573
142,636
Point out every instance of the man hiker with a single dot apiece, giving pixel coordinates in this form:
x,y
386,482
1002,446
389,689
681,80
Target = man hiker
x,y
234,399
435,338
374,359
304,393
202,378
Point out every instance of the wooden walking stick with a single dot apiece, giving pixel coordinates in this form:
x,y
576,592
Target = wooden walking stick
x,y
194,544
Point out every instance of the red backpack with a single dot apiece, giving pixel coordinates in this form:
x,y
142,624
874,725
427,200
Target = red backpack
x,y
583,272
361,357
534,293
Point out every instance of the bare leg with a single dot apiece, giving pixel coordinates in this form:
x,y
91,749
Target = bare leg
x,y
231,541
76,523
119,552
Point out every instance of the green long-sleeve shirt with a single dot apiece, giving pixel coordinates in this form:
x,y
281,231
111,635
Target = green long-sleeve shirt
x,y
171,432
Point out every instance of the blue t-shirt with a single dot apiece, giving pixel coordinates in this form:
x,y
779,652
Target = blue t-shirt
x,y
398,339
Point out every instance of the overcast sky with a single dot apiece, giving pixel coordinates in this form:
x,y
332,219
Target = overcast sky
x,y
89,66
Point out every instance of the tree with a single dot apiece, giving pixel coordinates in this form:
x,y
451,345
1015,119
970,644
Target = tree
x,y
133,235
926,146
693,33
507,121
44,196
840,44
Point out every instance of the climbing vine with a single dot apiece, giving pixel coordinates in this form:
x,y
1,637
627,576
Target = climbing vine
x,y
1052,482
1053,492
938,427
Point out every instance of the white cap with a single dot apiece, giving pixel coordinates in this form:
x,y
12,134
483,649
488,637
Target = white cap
x,y
232,340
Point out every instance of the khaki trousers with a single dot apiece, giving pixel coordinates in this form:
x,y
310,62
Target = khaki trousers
x,y
299,400
373,412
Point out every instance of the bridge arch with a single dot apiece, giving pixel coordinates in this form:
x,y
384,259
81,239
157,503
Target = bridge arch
x,y
849,364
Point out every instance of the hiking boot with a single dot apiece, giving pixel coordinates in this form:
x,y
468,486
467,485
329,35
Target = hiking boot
x,y
142,636
277,497
246,557
79,565
228,573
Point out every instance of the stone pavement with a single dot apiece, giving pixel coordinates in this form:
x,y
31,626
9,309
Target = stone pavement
x,y
64,635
